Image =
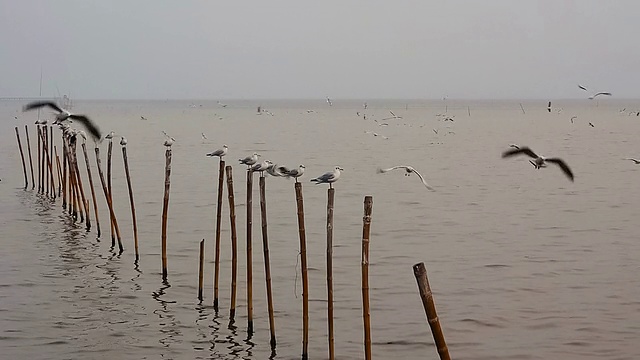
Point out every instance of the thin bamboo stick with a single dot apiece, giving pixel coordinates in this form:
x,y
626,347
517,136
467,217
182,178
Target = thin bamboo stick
x,y
93,192
201,269
234,243
216,270
106,195
109,149
249,206
85,203
303,269
330,200
24,167
45,150
366,313
165,209
39,158
33,183
59,171
64,172
132,203
420,272
267,266
51,144
48,164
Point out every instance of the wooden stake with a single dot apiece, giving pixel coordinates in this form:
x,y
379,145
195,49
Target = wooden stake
x,y
51,145
366,314
165,209
64,172
267,266
45,154
131,202
109,149
24,167
234,243
85,203
331,195
106,195
201,268
93,193
249,253
48,164
59,171
216,270
303,269
33,183
40,160
420,272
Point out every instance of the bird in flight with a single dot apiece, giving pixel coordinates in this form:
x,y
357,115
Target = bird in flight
x,y
634,160
408,171
64,115
539,161
329,101
598,94
393,116
582,87
549,107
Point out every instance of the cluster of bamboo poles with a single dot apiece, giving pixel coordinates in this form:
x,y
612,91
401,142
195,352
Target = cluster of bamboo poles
x,y
66,172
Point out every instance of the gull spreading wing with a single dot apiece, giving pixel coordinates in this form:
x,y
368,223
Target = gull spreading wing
x,y
39,104
565,168
523,150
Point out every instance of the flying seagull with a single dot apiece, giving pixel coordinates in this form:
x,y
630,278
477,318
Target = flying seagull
x,y
515,146
549,107
582,87
573,117
329,101
63,115
220,152
250,160
634,160
408,170
328,177
598,94
393,116
539,161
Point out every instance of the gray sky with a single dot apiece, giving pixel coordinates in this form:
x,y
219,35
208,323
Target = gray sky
x,y
156,49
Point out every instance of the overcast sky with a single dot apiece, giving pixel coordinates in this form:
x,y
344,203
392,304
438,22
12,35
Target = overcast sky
x,y
156,49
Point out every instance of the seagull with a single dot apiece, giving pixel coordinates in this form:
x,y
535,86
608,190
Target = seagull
x,y
634,160
328,177
276,171
573,117
204,137
63,115
261,167
250,160
539,161
591,124
549,107
41,122
168,142
582,87
142,117
220,152
329,101
82,134
408,171
110,135
221,104
598,94
295,173
515,146
393,116
123,141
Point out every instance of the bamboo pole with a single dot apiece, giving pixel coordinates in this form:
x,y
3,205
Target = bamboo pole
x,y
420,272
85,203
106,195
201,269
366,313
51,144
216,270
33,183
73,201
234,243
249,206
48,164
24,167
39,158
64,172
93,192
45,154
132,203
331,195
109,149
267,266
165,209
59,171
303,268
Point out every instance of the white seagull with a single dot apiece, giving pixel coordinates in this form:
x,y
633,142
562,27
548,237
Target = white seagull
x,y
329,101
168,142
634,160
328,177
123,141
539,161
276,171
41,122
220,152
63,115
393,116
110,135
250,160
408,171
598,94
261,167
295,173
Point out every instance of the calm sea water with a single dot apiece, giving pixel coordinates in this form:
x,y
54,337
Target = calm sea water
x,y
524,264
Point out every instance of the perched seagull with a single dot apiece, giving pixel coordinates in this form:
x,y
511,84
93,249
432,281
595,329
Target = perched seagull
x,y
250,160
276,171
41,122
168,142
110,135
261,167
220,152
634,160
295,173
539,161
329,101
408,171
582,87
123,141
328,177
63,115
598,94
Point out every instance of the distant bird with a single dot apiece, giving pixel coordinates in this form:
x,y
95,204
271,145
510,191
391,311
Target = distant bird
x,y
591,124
309,111
408,171
168,142
110,135
41,122
393,116
123,141
598,94
573,117
142,117
221,104
365,105
220,152
261,167
295,173
549,107
63,115
329,101
582,87
250,160
435,131
539,161
515,146
328,177
204,137
637,162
